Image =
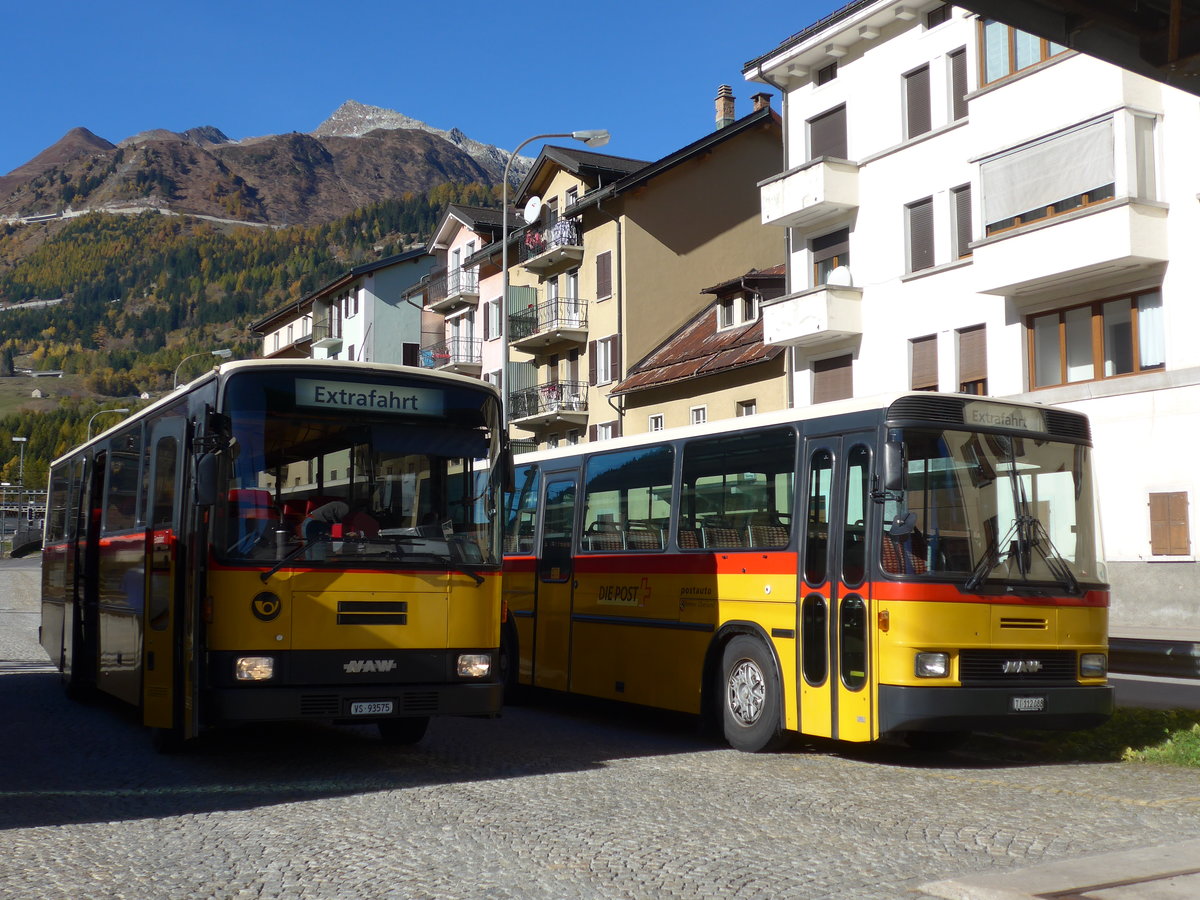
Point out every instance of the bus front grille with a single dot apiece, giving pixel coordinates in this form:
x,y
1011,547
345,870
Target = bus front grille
x,y
320,705
1016,667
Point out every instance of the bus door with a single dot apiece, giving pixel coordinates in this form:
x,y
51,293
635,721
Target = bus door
x,y
165,574
81,619
555,581
837,682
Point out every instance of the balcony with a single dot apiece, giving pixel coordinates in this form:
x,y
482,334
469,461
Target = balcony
x,y
555,403
449,290
552,248
461,355
821,191
810,318
1078,250
550,327
327,336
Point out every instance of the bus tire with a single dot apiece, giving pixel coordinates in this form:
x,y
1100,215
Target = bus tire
x,y
749,697
509,664
407,730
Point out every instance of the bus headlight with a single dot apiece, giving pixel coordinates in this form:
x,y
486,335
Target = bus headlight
x,y
1093,665
933,665
254,668
474,665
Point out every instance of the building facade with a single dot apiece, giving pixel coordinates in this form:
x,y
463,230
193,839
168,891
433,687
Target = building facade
x,y
971,208
360,315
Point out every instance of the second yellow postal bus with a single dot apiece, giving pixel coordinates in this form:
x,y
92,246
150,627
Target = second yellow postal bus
x,y
919,567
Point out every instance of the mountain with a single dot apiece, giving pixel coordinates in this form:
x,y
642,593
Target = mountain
x,y
359,155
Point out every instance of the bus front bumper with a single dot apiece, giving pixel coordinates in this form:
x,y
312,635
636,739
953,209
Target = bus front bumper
x,y
1066,708
346,703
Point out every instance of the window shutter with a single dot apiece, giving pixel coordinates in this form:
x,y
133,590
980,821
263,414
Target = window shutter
x,y
972,354
591,352
827,134
604,275
962,221
958,84
1169,524
916,102
614,357
920,235
591,432
832,379
924,363
487,321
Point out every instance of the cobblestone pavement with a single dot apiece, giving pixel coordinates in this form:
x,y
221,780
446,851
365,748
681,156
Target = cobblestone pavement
x,y
554,800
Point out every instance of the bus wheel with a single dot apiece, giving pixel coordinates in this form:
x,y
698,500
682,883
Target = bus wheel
x,y
750,698
407,730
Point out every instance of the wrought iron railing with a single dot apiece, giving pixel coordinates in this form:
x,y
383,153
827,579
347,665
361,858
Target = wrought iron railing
x,y
452,352
552,397
563,233
451,283
565,312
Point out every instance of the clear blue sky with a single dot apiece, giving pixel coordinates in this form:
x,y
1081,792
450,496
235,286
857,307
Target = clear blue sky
x,y
647,70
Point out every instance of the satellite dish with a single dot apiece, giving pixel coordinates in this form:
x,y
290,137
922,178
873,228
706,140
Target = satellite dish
x,y
840,277
533,209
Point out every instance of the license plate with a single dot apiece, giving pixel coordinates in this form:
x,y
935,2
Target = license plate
x,y
372,708
1029,704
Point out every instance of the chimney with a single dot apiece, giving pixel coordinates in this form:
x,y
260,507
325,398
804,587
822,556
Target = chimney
x,y
761,100
724,106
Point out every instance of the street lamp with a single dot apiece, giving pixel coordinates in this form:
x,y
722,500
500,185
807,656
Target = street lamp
x,y
102,412
224,353
21,465
593,138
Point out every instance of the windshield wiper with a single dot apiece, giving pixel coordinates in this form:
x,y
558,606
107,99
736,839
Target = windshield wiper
x,y
292,554
1055,561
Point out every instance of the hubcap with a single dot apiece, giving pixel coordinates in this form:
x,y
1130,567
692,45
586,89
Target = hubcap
x,y
747,692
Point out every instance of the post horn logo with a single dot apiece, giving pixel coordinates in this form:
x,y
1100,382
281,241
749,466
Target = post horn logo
x,y
266,606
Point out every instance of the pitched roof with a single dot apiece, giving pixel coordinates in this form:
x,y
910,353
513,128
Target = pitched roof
x,y
699,348
583,163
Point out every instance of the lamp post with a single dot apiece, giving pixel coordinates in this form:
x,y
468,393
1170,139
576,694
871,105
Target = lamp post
x,y
224,353
21,465
102,412
593,138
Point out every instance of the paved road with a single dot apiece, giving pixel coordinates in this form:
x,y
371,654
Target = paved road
x,y
551,801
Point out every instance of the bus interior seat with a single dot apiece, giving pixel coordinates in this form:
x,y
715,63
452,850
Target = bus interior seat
x,y
904,556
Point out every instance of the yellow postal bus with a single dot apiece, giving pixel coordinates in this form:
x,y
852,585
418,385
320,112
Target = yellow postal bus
x,y
919,567
284,540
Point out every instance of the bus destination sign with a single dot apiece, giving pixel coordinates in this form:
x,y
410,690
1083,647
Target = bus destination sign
x,y
353,395
1000,415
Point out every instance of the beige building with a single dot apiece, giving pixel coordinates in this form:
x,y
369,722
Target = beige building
x,y
716,366
613,263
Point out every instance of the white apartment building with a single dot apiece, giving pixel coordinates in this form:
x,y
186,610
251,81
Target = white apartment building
x,y
970,208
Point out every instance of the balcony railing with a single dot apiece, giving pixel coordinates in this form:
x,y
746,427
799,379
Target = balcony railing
x,y
553,245
543,328
546,404
326,335
455,355
455,287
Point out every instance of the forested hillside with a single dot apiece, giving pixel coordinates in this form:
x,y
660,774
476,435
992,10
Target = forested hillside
x,y
142,292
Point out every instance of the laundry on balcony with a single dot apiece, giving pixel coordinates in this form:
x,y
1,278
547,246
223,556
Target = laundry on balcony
x,y
535,242
564,232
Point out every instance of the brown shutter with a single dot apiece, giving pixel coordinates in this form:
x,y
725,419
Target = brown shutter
x,y
604,275
958,84
1169,524
614,357
924,363
591,352
920,235
962,221
916,102
972,354
832,379
827,134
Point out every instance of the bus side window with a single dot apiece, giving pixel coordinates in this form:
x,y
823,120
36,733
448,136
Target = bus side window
x,y
816,543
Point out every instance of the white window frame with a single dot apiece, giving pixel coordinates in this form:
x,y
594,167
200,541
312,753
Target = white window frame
x,y
604,367
698,415
655,422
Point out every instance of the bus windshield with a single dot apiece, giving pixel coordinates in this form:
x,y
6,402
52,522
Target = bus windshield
x,y
356,481
996,511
